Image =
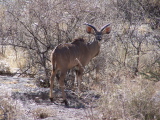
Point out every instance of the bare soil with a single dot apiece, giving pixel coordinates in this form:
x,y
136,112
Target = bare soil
x,y
34,98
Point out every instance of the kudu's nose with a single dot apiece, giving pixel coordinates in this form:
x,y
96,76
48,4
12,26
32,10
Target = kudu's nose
x,y
99,37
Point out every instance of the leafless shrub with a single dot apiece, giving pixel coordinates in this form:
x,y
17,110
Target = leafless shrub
x,y
36,27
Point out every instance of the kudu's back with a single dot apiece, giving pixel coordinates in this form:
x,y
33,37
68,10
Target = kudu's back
x,y
66,56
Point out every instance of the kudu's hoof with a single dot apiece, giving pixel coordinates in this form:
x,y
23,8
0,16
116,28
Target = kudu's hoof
x,y
51,99
66,103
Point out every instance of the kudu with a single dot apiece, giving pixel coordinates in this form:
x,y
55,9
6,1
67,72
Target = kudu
x,y
75,54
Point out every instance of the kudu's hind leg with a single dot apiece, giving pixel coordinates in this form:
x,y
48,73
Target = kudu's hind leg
x,y
52,85
62,86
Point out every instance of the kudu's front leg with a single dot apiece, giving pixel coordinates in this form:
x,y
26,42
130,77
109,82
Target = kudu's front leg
x,y
79,74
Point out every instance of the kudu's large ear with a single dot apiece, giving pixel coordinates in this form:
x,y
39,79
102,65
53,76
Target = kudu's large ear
x,y
90,29
106,29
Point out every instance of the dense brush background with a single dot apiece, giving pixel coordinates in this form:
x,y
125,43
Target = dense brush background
x,y
124,74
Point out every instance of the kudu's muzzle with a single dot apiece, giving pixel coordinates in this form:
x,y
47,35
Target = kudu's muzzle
x,y
98,36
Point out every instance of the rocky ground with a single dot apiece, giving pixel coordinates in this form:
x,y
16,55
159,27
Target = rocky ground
x,y
34,102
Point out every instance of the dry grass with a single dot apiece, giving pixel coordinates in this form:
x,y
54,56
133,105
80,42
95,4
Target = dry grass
x,y
128,99
11,109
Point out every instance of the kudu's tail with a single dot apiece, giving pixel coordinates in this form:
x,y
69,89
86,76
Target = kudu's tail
x,y
54,63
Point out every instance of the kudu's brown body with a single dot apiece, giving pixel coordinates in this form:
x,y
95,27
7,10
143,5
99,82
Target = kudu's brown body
x,y
75,54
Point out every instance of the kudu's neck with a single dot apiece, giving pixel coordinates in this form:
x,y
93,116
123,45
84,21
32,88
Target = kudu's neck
x,y
94,48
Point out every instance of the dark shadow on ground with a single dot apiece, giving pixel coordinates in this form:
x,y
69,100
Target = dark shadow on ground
x,y
41,97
